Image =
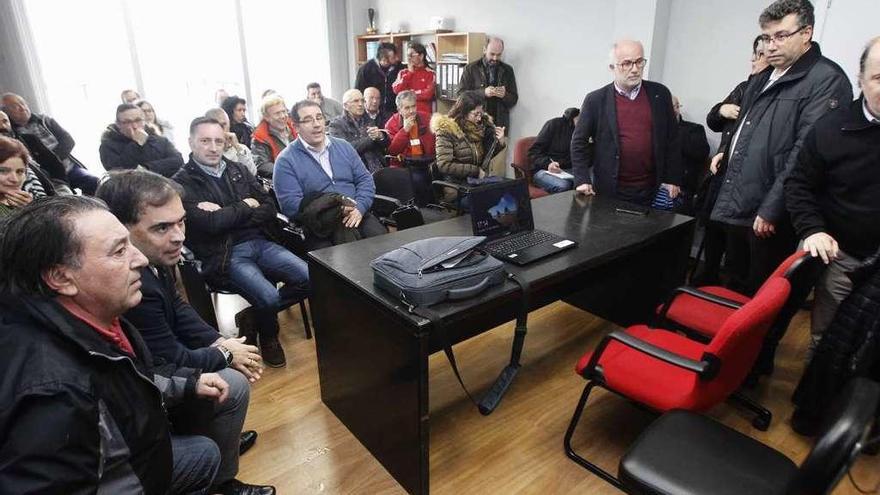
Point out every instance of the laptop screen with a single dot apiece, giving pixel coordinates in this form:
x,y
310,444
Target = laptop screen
x,y
502,208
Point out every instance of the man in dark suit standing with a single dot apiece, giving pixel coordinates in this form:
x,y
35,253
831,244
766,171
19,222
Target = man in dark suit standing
x,y
625,143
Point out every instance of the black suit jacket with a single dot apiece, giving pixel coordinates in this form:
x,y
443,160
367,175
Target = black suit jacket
x,y
595,145
171,328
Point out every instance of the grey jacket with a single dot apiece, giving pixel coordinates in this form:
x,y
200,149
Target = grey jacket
x,y
354,131
773,126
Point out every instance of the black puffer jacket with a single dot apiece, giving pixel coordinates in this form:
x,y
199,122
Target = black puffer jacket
x,y
773,126
850,347
211,234
77,414
158,155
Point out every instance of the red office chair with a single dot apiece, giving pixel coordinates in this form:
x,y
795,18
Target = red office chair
x,y
664,370
700,312
522,166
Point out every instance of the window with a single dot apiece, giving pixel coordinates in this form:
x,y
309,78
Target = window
x,y
176,54
85,65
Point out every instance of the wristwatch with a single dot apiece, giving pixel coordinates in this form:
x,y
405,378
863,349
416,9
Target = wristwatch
x,y
227,354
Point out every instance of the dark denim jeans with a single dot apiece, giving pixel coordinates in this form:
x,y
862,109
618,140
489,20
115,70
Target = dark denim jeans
x,y
258,265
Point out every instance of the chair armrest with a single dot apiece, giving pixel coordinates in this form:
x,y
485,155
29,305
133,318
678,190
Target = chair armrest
x,y
703,368
449,185
520,168
693,291
383,205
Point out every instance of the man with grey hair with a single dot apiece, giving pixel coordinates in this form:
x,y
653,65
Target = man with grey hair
x,y
832,191
368,139
625,143
44,136
234,151
373,107
410,133
779,107
497,81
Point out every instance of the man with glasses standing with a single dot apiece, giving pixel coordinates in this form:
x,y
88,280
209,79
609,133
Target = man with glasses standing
x,y
779,107
625,143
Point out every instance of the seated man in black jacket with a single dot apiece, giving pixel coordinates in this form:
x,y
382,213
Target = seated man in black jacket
x,y
233,229
129,144
149,206
83,399
47,140
550,154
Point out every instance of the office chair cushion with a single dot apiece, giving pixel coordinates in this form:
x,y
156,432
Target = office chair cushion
x,y
646,379
700,315
686,453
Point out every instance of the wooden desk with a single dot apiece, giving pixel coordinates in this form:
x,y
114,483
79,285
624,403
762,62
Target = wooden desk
x,y
373,354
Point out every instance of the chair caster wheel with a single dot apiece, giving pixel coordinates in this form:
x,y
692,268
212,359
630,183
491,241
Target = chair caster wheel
x,y
761,422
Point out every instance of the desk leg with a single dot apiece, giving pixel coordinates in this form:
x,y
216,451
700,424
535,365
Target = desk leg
x,y
373,369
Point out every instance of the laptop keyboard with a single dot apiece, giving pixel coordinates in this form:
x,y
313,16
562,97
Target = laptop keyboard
x,y
509,245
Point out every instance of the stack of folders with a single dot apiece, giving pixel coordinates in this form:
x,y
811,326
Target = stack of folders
x,y
372,48
448,77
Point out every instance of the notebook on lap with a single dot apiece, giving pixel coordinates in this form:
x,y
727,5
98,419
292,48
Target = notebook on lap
x,y
503,213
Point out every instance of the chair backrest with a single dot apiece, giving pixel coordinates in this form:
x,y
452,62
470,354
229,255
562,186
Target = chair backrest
x,y
394,182
801,270
737,343
849,423
197,293
521,154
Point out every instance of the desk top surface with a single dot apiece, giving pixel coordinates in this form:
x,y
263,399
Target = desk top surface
x,y
602,234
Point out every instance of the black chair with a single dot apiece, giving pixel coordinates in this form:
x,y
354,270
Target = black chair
x,y
396,203
686,453
201,296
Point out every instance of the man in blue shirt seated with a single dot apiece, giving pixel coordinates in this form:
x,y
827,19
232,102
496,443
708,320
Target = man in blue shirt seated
x,y
234,232
150,207
315,164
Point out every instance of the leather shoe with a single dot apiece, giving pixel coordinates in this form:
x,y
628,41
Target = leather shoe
x,y
273,354
248,438
247,327
235,487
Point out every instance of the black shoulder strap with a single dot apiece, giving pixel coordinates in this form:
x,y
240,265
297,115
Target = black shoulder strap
x,y
493,397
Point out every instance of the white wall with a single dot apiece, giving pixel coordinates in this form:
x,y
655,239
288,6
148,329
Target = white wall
x,y
708,47
559,49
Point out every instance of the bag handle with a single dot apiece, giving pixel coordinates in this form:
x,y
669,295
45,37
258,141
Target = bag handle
x,y
466,292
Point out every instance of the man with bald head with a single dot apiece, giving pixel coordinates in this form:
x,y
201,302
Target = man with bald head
x,y
832,191
496,80
626,142
373,109
47,140
354,126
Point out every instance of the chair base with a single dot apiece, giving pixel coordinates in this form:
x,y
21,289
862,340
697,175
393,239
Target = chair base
x,y
763,416
569,451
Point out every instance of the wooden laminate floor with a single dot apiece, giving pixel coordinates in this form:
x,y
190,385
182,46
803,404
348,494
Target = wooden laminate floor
x,y
304,449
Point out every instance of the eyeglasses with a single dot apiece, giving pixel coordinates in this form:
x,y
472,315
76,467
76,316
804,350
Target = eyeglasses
x,y
312,120
628,64
781,37
130,122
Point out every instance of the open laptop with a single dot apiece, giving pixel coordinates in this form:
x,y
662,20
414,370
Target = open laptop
x,y
503,213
